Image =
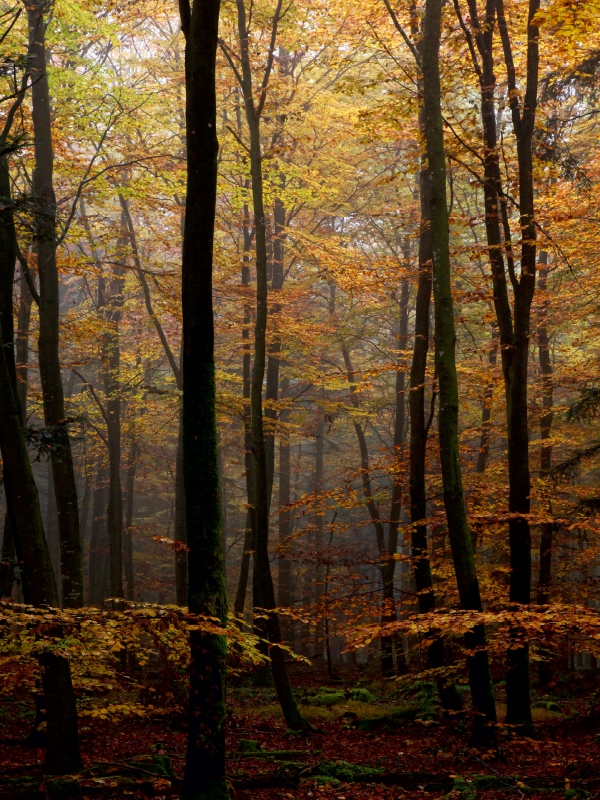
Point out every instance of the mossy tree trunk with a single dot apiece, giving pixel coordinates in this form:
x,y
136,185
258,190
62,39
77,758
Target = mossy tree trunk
x,y
445,346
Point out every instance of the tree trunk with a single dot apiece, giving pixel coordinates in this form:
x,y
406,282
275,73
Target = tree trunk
x,y
98,570
445,342
205,761
51,528
264,595
486,413
284,598
128,527
513,325
180,534
39,585
48,343
388,568
319,571
240,598
273,366
111,301
22,343
7,269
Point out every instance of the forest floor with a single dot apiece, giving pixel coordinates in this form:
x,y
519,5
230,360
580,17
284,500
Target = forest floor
x,y
372,740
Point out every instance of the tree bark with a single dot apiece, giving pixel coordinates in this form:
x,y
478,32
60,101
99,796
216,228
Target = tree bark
x,y
284,598
39,585
48,343
388,568
240,598
98,568
128,526
264,594
111,302
486,413
205,761
319,571
513,323
445,343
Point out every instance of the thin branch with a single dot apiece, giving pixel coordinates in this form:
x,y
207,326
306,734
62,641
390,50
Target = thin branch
x,y
28,276
269,67
403,33
146,290
93,393
85,180
228,55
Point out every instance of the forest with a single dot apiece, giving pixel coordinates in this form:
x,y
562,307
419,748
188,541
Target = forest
x,y
299,399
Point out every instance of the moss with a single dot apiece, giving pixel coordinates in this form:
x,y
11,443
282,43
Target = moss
x,y
347,772
362,696
329,698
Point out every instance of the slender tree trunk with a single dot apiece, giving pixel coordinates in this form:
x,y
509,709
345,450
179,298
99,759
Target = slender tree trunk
x,y
39,585
51,528
513,325
445,342
111,301
264,594
319,573
22,343
99,556
273,365
284,599
128,527
546,418
48,344
419,430
240,598
205,762
388,568
486,413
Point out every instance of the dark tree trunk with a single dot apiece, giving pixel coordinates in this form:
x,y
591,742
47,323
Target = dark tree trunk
x,y
51,528
98,556
445,341
111,303
388,568
62,749
240,598
546,418
273,365
284,598
264,594
180,534
8,560
128,526
486,412
48,343
205,761
7,269
419,429
513,324
319,571
39,585
22,343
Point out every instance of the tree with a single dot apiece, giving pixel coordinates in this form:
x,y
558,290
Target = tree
x,y
445,342
205,761
44,210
